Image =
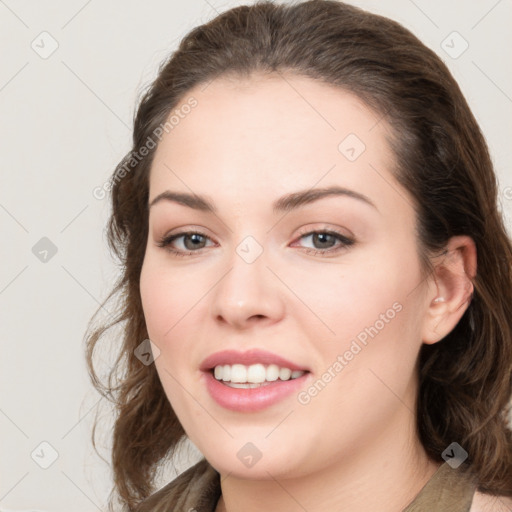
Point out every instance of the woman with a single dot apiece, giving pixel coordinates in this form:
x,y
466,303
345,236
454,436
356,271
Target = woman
x,y
310,238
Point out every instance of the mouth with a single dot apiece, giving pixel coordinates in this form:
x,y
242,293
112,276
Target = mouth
x,y
254,376
251,381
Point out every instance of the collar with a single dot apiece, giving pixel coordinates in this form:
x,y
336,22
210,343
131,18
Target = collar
x,y
198,489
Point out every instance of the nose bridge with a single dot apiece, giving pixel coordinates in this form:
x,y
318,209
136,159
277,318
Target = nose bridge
x,y
248,289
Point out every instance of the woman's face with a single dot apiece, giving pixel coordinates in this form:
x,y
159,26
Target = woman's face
x,y
346,304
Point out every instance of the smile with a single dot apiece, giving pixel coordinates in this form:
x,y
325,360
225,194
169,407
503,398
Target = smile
x,y
255,375
251,380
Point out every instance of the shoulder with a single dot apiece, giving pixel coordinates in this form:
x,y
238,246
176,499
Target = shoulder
x,y
490,503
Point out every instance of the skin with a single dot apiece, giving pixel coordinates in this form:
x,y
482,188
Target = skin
x,y
247,143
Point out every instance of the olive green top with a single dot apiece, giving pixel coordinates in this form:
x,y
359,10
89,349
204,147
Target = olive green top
x,y
198,489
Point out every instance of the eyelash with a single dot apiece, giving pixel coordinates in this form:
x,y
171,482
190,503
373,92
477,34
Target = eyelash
x,y
345,242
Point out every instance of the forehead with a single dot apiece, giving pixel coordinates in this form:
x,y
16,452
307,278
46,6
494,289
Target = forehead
x,y
265,135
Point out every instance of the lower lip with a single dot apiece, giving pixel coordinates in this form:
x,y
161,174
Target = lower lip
x,y
251,399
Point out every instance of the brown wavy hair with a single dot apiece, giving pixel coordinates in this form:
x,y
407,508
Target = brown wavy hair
x,y
441,158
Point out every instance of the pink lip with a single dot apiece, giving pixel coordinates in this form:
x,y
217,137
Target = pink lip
x,y
254,399
247,358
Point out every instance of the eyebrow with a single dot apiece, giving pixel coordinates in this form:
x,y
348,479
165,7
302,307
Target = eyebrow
x,y
286,203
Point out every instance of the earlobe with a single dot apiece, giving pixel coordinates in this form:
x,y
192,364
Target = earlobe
x,y
452,289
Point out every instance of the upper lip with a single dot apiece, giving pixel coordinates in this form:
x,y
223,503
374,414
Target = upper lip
x,y
248,357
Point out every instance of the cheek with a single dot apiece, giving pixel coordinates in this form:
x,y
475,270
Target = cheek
x,y
363,292
167,297
376,346
175,305
364,370
373,316
167,301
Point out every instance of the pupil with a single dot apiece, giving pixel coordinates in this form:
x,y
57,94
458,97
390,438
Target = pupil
x,y
195,239
322,238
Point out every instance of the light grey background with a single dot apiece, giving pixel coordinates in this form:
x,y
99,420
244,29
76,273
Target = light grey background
x,y
64,124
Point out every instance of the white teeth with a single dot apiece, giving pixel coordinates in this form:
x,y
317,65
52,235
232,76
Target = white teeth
x,y
239,375
272,373
256,373
245,385
226,372
285,373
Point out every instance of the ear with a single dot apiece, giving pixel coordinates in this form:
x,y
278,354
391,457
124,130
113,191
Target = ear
x,y
451,288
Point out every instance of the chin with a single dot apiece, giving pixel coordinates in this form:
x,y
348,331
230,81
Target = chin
x,y
261,470
245,460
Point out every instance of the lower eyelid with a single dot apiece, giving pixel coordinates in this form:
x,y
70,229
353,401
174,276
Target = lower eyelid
x,y
330,251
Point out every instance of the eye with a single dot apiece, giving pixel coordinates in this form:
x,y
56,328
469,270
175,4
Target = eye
x,y
326,241
187,243
191,242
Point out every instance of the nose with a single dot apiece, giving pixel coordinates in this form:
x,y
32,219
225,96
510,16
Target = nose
x,y
248,294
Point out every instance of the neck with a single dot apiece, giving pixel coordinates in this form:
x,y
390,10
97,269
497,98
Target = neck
x,y
386,475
